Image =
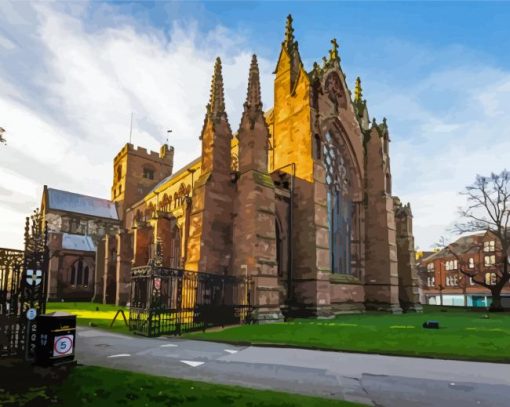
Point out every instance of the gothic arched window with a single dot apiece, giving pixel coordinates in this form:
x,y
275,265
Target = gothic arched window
x,y
175,247
340,207
79,274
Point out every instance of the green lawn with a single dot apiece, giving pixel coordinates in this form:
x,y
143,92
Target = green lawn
x,y
464,335
100,315
96,386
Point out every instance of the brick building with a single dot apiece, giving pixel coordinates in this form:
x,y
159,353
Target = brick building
x,y
76,224
299,198
444,284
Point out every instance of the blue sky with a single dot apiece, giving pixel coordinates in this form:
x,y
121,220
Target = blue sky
x,y
72,73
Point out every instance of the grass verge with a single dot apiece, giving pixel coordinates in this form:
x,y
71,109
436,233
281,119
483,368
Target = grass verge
x,y
98,387
463,335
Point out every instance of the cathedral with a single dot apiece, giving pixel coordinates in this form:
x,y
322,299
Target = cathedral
x,y
299,199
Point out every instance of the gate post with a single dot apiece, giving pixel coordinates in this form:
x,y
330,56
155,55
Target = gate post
x,y
34,282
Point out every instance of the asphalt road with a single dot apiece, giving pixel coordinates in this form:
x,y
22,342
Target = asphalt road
x,y
370,379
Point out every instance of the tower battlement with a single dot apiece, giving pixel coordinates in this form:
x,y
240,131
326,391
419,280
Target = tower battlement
x,y
166,152
136,171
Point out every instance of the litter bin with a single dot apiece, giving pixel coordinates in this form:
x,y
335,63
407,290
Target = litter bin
x,y
56,333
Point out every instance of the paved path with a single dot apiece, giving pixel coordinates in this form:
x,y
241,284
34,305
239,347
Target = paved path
x,y
370,379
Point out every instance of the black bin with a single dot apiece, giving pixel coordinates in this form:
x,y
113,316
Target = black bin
x,y
56,334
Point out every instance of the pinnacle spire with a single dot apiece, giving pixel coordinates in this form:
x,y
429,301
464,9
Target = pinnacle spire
x,y
253,98
289,33
358,91
217,101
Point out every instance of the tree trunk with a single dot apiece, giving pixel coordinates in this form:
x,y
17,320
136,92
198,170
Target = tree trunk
x,y
496,300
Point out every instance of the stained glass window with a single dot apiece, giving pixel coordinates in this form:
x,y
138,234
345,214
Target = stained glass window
x,y
340,207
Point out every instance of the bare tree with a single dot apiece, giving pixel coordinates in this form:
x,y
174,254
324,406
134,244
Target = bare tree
x,y
487,209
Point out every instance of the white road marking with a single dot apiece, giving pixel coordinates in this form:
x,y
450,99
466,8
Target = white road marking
x,y
120,355
169,345
230,351
192,363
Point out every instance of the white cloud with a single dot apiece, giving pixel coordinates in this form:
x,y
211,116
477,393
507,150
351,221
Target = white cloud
x,y
69,115
437,151
68,87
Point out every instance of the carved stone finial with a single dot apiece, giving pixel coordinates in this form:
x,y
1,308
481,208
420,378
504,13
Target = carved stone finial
x,y
216,104
253,99
358,91
333,53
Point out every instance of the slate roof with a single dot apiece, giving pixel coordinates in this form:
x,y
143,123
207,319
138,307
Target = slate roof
x,y
78,242
183,169
82,204
467,243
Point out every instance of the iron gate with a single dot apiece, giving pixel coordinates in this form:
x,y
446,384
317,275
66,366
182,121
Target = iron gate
x,y
23,287
172,301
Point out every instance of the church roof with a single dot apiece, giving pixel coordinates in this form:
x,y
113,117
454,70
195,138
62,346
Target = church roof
x,y
78,242
175,175
82,204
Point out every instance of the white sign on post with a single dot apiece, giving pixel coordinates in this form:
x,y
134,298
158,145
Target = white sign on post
x,y
31,314
34,277
63,345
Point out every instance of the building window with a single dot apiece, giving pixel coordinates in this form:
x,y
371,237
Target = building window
x,y
79,274
451,265
148,173
490,278
340,207
489,246
452,281
430,267
471,263
318,144
119,172
490,260
388,183
471,282
431,281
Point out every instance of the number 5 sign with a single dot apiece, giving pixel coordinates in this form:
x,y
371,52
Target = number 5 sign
x,y
63,345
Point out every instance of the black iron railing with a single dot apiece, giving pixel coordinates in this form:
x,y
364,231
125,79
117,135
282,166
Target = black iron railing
x,y
172,301
23,287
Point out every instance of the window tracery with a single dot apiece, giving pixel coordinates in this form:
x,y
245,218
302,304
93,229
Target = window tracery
x,y
340,206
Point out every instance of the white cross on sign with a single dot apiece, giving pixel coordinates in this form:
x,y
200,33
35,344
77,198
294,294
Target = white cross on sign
x,y
34,278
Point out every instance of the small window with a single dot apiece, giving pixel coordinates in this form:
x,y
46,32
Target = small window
x,y
79,274
489,246
148,173
430,267
490,260
490,278
119,172
388,183
471,263
317,147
